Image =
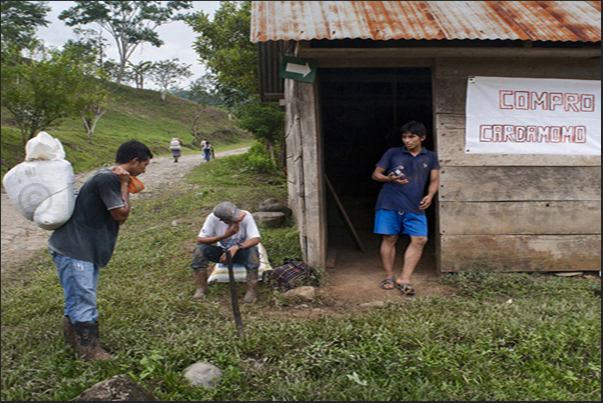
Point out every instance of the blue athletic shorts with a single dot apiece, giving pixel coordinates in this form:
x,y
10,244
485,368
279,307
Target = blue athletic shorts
x,y
389,222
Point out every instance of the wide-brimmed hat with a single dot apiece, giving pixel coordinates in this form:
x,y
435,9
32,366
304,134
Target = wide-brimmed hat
x,y
228,212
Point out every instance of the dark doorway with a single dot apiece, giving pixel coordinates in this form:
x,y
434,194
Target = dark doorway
x,y
362,111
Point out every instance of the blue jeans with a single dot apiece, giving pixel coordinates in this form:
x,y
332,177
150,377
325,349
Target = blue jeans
x,y
80,281
203,254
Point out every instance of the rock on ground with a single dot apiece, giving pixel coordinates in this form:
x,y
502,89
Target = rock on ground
x,y
305,292
273,205
203,374
265,219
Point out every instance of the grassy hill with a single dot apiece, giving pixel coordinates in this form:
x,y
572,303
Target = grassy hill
x,y
135,115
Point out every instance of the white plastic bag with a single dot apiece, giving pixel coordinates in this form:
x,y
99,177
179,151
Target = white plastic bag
x,y
42,188
44,147
219,272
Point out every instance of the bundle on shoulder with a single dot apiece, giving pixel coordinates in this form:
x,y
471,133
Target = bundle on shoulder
x,y
42,188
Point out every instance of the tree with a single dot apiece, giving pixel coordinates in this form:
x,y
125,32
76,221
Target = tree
x,y
40,93
225,46
111,67
139,71
94,95
264,120
89,45
167,73
20,20
226,49
130,23
201,91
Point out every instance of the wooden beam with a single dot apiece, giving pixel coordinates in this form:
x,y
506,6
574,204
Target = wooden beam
x,y
328,62
313,209
274,95
345,216
439,52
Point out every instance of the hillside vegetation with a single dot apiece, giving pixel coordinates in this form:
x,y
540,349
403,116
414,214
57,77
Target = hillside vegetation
x,y
135,115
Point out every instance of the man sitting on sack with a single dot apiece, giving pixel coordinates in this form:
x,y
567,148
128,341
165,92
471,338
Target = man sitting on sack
x,y
234,230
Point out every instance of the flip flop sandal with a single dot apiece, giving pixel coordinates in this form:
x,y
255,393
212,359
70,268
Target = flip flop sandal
x,y
387,281
406,288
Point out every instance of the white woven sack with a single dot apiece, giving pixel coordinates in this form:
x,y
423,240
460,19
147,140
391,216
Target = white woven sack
x,y
42,188
44,147
219,272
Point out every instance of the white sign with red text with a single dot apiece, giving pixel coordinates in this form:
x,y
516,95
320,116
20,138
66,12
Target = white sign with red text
x,y
533,116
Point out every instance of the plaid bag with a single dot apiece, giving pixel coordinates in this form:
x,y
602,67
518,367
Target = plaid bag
x,y
294,273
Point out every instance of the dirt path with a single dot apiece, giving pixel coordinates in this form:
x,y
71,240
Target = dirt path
x,y
22,238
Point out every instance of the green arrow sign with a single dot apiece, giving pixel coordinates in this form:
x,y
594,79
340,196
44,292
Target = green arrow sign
x,y
298,69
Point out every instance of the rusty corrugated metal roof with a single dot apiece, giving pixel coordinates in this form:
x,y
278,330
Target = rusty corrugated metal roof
x,y
381,20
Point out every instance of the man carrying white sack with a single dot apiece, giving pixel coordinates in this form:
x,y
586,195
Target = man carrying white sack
x,y
234,230
85,243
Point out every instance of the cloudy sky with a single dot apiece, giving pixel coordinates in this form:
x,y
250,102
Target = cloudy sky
x,y
178,38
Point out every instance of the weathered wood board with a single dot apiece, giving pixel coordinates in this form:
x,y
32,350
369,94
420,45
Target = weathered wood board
x,y
529,218
295,174
502,55
305,184
521,253
369,62
519,183
450,94
451,152
567,68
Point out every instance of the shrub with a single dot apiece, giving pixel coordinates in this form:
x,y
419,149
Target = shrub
x,y
258,160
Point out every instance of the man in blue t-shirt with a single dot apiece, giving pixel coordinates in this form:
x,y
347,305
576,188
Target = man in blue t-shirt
x,y
401,204
85,243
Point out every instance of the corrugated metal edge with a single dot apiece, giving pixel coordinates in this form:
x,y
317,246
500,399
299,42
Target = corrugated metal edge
x,y
562,21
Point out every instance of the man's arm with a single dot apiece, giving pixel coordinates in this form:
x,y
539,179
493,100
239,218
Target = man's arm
x,y
235,248
120,214
434,184
378,175
230,231
250,242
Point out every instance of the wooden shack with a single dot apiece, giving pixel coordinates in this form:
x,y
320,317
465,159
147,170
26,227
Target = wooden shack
x,y
382,63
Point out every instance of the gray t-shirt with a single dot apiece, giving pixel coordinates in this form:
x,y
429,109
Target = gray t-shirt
x,y
91,232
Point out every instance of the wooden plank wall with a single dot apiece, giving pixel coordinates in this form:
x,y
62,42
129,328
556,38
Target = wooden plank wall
x,y
513,212
304,169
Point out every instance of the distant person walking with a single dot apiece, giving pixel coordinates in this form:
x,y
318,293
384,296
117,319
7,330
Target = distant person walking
x,y
175,144
207,150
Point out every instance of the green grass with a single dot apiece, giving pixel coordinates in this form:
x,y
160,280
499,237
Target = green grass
x,y
136,115
502,337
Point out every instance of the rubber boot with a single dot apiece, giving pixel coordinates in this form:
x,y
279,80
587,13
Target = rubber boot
x,y
251,287
88,343
200,278
69,332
